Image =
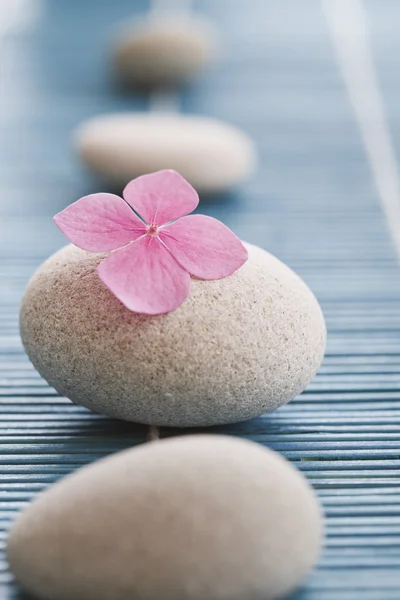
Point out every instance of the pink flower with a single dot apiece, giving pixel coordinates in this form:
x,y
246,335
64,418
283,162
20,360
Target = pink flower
x,y
152,257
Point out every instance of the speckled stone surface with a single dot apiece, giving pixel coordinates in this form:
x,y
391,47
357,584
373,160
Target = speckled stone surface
x,y
210,154
163,50
237,348
190,518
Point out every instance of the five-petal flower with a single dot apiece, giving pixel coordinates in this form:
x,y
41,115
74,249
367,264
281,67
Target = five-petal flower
x,y
152,258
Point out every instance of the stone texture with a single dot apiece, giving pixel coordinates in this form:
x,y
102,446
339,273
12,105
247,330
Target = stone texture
x,y
210,154
163,50
190,518
237,348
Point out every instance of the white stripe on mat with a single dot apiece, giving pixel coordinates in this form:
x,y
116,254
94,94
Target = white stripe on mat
x,y
348,23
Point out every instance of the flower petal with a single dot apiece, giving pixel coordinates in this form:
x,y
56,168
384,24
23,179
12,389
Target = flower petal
x,y
145,277
100,222
204,246
161,197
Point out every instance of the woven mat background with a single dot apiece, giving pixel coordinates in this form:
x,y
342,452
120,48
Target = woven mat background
x,y
312,203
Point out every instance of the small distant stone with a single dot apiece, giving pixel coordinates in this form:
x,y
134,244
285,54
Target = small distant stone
x,y
162,50
190,518
210,154
236,348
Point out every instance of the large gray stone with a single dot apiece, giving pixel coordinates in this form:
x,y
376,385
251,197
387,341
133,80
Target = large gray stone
x,y
190,518
237,348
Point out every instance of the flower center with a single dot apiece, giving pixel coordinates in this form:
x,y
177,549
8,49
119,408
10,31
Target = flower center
x,y
152,229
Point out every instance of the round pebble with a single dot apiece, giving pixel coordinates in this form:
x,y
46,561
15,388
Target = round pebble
x,y
211,155
236,348
187,518
164,50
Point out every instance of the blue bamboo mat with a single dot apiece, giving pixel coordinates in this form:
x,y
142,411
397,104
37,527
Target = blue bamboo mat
x,y
312,203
